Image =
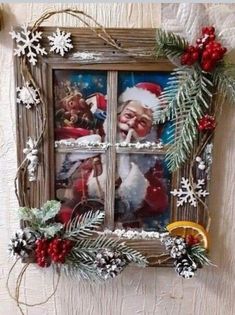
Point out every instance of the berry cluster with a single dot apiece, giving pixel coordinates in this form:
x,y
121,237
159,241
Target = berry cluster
x,y
206,123
190,56
192,240
54,250
207,51
41,255
58,249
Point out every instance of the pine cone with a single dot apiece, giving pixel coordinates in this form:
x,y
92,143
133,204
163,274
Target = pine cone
x,y
176,246
109,263
22,243
185,267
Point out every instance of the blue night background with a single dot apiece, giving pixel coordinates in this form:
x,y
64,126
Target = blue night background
x,y
87,81
129,79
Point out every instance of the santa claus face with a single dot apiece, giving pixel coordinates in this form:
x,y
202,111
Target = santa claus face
x,y
136,118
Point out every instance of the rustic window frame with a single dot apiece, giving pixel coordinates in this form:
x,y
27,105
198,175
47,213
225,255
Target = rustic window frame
x,y
34,194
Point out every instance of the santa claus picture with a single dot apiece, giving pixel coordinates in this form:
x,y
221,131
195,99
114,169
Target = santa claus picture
x,y
142,181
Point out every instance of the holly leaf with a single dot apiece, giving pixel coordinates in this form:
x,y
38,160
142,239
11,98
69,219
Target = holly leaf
x,y
49,210
51,230
25,213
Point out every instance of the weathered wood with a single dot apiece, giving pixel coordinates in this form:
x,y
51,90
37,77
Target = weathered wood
x,y
29,122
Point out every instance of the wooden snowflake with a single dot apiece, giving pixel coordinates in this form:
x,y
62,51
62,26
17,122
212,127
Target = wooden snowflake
x,y
189,194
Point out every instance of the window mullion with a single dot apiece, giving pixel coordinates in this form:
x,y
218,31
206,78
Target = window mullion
x,y
111,121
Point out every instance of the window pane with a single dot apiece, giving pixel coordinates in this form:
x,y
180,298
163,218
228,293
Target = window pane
x,y
138,102
80,104
142,197
80,182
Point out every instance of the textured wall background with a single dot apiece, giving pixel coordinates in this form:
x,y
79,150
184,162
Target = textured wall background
x,y
142,292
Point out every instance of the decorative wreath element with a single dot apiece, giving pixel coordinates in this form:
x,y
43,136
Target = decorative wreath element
x,y
77,247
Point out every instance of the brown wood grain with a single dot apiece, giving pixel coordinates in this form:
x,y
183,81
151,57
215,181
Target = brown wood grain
x,y
111,60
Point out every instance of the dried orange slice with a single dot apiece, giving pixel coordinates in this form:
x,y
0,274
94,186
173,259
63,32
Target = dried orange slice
x,y
186,228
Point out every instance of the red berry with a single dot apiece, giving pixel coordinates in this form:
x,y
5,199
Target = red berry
x,y
215,56
212,37
195,56
206,123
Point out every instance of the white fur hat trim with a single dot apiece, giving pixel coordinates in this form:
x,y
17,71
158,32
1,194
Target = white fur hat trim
x,y
148,99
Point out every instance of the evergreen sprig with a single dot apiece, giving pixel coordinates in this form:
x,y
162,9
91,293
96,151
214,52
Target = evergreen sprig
x,y
199,254
224,80
186,98
82,256
169,44
84,226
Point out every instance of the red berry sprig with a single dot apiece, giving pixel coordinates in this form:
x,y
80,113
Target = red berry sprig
x,y
192,240
54,250
41,255
206,123
190,56
58,249
207,51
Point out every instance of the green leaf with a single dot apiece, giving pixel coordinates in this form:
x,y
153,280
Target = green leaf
x,y
51,230
49,210
25,213
84,226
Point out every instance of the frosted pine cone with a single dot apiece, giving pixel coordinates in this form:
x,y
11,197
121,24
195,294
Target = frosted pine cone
x,y
176,245
22,244
185,267
109,263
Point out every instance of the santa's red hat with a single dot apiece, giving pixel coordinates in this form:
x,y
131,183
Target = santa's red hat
x,y
146,93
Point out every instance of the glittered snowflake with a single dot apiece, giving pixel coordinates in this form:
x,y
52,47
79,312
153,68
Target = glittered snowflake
x,y
188,194
60,42
28,44
27,95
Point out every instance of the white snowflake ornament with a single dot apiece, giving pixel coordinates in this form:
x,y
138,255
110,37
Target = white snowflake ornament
x,y
60,42
187,194
27,95
28,44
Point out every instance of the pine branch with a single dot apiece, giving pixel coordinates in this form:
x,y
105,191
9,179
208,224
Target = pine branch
x,y
81,259
199,255
85,249
224,80
80,269
188,97
169,44
84,226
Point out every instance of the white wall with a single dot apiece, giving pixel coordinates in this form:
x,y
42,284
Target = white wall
x,y
142,292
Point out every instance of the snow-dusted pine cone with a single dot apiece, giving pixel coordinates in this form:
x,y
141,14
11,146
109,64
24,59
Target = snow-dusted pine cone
x,y
22,243
109,263
185,267
176,245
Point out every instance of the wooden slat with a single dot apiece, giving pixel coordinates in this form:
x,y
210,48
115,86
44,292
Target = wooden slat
x,y
111,152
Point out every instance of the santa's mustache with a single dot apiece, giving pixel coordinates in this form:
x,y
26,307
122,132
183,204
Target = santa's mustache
x,y
130,132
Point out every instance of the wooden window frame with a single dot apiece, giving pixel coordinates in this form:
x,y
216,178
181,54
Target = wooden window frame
x,y
111,61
